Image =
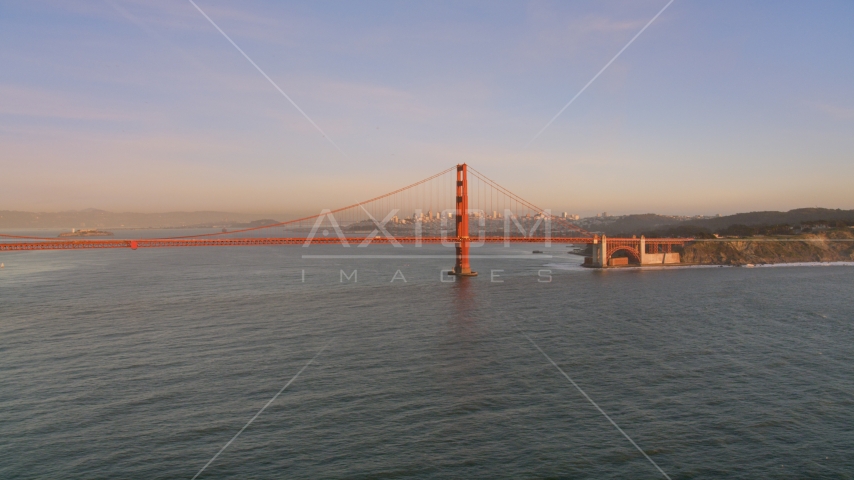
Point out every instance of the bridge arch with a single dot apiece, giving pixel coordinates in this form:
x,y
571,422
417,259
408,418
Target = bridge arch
x,y
631,252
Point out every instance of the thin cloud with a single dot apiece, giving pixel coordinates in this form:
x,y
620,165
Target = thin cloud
x,y
835,111
602,70
32,102
554,36
162,13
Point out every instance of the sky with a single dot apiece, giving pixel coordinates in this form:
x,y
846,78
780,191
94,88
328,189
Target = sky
x,y
719,106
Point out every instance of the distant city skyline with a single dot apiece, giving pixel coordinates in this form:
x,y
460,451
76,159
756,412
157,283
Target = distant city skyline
x,y
717,108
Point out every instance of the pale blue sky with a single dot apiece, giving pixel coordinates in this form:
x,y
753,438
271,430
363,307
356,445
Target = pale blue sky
x,y
718,107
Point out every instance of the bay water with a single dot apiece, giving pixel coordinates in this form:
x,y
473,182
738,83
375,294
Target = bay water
x,y
144,364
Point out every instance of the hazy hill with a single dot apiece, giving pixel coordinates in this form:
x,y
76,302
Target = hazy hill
x,y
637,224
633,224
624,225
792,217
91,218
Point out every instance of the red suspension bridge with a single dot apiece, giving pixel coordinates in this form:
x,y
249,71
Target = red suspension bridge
x,y
457,207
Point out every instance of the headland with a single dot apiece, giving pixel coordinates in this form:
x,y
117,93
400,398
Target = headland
x,y
91,232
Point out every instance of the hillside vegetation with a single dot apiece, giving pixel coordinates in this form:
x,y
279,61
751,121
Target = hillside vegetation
x,y
740,224
833,246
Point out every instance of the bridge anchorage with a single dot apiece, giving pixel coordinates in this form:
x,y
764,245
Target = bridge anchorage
x,y
417,214
617,252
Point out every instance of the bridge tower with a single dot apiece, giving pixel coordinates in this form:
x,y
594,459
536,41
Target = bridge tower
x,y
462,266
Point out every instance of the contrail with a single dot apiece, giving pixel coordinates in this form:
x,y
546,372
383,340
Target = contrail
x,y
268,78
600,73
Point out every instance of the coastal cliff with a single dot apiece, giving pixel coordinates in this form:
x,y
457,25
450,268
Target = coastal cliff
x,y
834,246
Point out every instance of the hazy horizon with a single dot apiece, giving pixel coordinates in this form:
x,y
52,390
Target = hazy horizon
x,y
175,218
716,108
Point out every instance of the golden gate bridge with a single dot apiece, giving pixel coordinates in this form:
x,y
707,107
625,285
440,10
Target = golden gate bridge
x,y
440,209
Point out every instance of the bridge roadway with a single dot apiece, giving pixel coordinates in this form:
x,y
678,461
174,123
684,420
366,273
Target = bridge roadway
x,y
254,242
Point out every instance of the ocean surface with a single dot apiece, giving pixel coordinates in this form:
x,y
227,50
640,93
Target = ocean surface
x,y
144,364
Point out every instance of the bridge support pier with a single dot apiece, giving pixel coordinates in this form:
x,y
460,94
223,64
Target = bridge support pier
x,y
642,250
462,266
599,259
